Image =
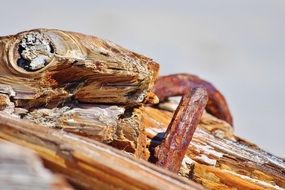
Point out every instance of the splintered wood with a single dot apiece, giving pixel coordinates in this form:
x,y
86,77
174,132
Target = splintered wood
x,y
219,160
88,163
63,79
85,106
46,67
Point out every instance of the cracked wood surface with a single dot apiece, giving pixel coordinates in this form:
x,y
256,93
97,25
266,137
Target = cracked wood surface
x,y
110,124
78,83
218,159
49,67
89,163
78,89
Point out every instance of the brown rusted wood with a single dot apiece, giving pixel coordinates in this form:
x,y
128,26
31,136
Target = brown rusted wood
x,y
57,79
78,90
46,66
110,124
218,159
89,163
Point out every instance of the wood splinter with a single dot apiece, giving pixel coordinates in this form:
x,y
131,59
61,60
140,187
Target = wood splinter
x,y
67,82
172,150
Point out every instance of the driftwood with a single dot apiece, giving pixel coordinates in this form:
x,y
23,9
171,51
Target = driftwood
x,y
218,159
47,67
62,71
88,163
63,94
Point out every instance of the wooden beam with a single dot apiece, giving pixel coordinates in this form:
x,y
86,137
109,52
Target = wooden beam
x,y
88,163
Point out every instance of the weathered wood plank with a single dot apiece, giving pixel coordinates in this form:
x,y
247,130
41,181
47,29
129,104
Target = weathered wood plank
x,y
88,163
57,79
217,158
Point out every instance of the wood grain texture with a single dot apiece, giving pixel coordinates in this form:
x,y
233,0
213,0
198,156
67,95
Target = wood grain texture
x,y
59,79
110,124
88,163
218,159
63,93
46,66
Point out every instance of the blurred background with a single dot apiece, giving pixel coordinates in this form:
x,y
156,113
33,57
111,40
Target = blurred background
x,y
238,45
